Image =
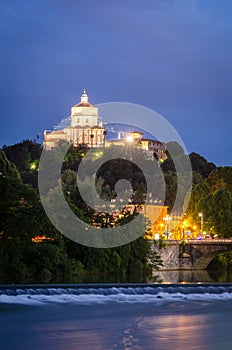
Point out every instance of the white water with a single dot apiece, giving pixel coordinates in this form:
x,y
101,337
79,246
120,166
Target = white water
x,y
88,296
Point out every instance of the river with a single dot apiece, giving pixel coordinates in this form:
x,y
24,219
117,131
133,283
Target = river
x,y
116,316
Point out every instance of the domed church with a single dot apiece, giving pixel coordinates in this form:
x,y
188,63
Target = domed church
x,y
86,128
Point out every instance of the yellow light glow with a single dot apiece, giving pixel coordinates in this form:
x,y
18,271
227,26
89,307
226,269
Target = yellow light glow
x,y
33,166
157,236
129,138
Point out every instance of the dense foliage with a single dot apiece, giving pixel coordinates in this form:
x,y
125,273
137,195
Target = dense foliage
x,y
29,243
213,197
24,219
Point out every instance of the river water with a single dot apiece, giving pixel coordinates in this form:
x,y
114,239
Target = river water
x,y
120,316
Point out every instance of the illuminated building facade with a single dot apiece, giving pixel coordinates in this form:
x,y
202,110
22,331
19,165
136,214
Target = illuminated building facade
x,y
153,149
86,128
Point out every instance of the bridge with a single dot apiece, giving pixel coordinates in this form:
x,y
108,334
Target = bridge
x,y
192,254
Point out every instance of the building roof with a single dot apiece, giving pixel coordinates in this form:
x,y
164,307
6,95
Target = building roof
x,y
151,140
84,101
84,104
56,132
136,132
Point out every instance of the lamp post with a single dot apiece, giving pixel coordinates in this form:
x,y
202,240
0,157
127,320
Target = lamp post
x,y
202,221
183,227
167,219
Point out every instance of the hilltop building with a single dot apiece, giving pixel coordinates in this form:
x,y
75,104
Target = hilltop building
x,y
86,128
153,149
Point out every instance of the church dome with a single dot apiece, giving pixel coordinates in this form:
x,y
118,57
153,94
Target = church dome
x,y
84,101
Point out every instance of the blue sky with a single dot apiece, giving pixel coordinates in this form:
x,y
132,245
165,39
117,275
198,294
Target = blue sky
x,y
173,56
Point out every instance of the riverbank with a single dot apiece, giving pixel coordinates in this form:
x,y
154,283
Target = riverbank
x,y
158,276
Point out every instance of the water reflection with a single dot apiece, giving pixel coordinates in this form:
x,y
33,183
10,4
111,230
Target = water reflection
x,y
183,276
179,332
83,278
221,276
162,276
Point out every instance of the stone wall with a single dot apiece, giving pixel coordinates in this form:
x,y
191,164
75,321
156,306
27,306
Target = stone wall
x,y
190,256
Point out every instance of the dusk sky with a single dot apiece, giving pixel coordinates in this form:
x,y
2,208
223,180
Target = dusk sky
x,y
173,56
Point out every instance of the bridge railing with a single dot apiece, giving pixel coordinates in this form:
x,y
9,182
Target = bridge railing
x,y
198,241
206,240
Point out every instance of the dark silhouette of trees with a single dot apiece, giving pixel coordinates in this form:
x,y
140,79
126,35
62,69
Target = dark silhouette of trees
x,y
200,165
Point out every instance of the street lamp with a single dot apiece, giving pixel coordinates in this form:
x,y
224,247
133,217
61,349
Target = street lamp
x,y
167,219
161,228
202,220
183,227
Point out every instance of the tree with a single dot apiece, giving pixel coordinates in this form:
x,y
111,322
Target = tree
x,y
199,192
6,167
220,178
217,209
200,164
171,188
74,156
23,153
